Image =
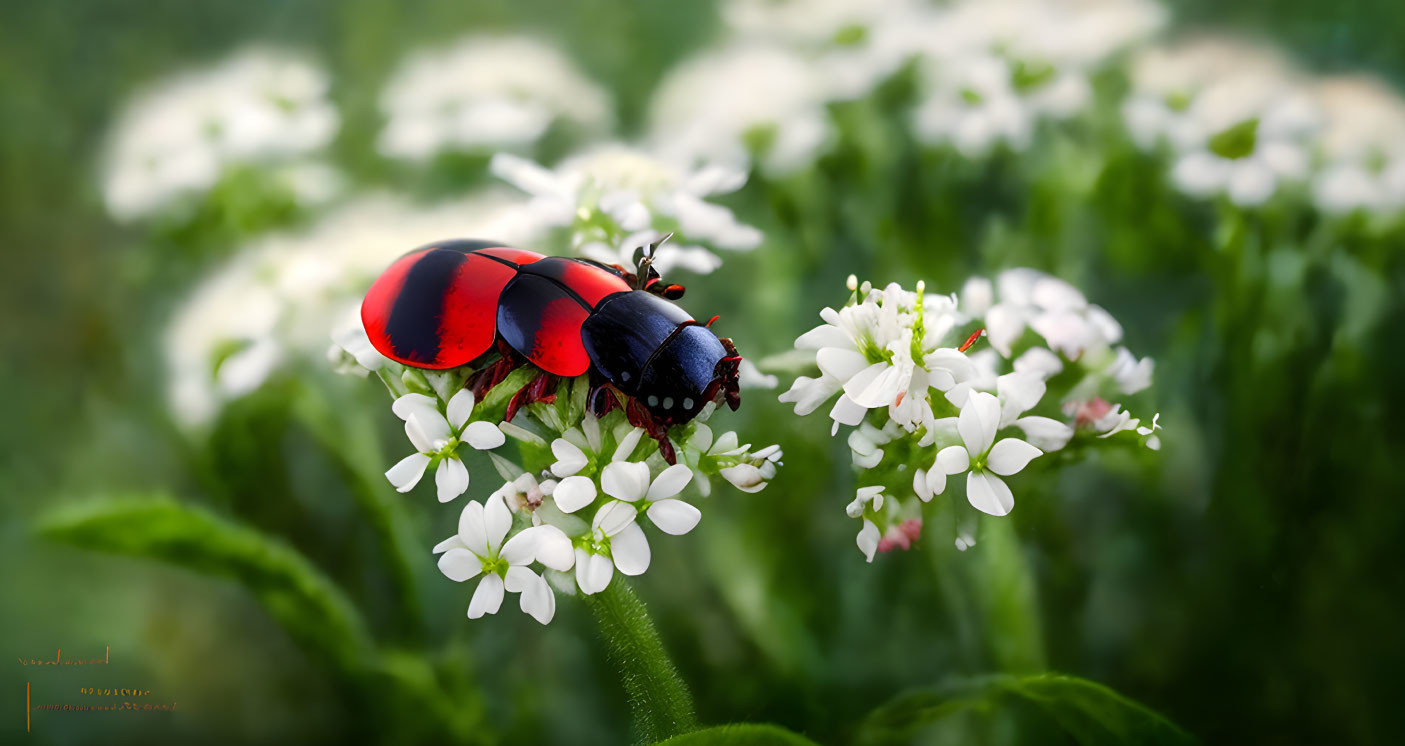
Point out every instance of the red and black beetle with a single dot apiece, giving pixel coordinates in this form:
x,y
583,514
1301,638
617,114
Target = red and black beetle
x,y
451,303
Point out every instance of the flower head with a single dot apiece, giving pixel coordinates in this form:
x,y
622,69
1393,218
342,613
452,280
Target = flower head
x,y
483,93
616,199
437,435
479,549
260,107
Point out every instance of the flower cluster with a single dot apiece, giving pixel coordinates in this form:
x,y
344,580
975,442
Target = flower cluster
x,y
928,402
484,93
616,199
577,497
258,108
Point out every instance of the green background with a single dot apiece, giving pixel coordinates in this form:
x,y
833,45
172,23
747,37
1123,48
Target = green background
x,y
1245,583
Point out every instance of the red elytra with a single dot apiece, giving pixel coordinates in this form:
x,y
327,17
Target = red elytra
x,y
443,305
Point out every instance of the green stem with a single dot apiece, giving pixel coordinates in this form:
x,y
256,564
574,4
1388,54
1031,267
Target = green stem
x,y
659,702
990,591
1007,598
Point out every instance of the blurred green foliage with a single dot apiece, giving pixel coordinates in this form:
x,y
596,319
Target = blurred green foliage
x,y
1242,586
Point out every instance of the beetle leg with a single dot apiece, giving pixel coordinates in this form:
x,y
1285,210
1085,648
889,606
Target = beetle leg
x,y
484,380
542,388
601,400
728,372
640,417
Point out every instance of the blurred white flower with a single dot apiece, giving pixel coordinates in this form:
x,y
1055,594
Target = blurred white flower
x,y
1363,145
745,100
1235,116
176,139
484,93
854,45
436,435
478,548
279,298
617,199
1023,299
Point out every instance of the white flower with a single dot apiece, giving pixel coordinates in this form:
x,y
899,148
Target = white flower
x,y
478,548
866,496
987,459
751,98
617,199
615,531
1363,146
974,106
1233,113
484,93
1054,309
855,46
437,437
1153,441
350,338
629,481
752,377
177,139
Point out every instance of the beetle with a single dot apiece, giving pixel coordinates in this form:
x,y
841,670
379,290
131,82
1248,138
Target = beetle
x,y
453,303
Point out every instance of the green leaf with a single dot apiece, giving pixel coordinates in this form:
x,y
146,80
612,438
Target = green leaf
x,y
1092,714
659,702
348,438
494,404
306,603
740,734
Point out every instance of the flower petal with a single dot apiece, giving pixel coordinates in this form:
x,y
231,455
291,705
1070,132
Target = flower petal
x,y
630,549
1019,392
674,516
554,547
627,444
953,460
573,493
520,549
471,530
496,521
744,477
459,565
840,363
483,436
868,539
488,598
625,480
538,601
453,542
613,517
451,478
593,571
1010,455
428,432
822,336
978,421
519,578
989,494
1045,433
407,472
409,404
670,482
460,407
569,458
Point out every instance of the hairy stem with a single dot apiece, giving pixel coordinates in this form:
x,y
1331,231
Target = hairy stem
x,y
659,702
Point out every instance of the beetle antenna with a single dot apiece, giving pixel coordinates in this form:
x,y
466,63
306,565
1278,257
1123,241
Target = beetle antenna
x,y
647,260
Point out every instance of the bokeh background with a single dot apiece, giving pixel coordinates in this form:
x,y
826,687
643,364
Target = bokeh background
x,y
1242,581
